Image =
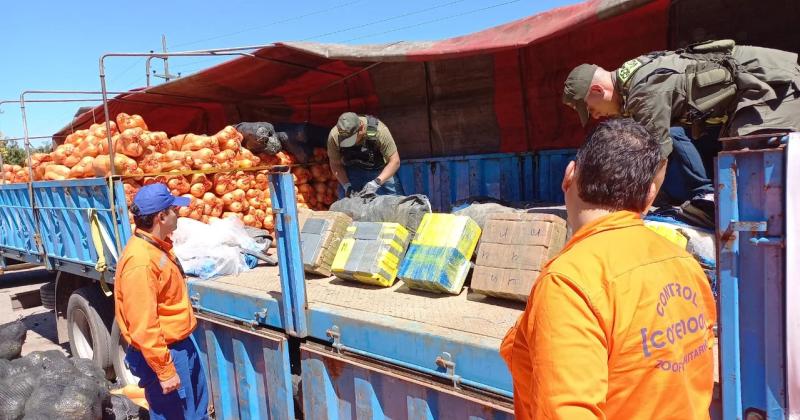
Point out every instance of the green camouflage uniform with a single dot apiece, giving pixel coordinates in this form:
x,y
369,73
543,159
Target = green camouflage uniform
x,y
747,88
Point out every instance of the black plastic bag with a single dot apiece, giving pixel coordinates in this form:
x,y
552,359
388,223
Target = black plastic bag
x,y
261,137
405,210
479,212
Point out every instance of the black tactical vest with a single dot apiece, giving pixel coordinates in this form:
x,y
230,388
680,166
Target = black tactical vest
x,y
366,155
710,81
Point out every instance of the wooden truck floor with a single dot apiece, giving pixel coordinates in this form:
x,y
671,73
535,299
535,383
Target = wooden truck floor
x,y
467,312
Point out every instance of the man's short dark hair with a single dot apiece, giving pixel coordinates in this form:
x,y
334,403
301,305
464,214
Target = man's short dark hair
x,y
142,221
616,165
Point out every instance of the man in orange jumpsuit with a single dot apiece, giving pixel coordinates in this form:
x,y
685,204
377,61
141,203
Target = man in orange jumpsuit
x,y
619,324
154,314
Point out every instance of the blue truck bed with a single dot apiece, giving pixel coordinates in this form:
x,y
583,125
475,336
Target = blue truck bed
x,y
58,234
394,324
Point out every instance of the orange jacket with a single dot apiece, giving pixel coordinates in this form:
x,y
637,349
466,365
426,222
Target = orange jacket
x,y
618,326
152,302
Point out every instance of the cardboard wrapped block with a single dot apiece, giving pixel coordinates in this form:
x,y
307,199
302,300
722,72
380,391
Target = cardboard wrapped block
x,y
438,258
320,237
506,283
370,253
513,249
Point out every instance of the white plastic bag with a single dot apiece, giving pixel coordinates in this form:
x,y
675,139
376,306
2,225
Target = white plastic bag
x,y
210,250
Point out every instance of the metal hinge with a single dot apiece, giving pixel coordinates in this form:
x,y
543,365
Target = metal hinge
x,y
768,241
195,298
753,227
334,334
445,361
748,226
258,316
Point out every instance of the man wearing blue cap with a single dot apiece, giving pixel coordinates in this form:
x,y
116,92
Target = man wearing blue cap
x,y
363,155
154,314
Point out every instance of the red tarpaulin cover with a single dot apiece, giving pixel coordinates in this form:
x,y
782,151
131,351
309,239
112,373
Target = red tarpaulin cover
x,y
498,90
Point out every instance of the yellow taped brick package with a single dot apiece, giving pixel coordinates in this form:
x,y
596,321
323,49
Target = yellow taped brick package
x,y
513,249
320,237
438,257
370,253
670,232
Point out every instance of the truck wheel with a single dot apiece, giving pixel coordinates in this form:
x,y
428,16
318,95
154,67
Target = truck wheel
x,y
48,295
89,315
118,348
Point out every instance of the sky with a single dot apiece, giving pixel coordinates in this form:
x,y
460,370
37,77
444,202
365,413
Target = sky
x,y
56,45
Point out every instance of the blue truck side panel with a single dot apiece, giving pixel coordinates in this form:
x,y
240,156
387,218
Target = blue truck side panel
x,y
17,225
505,176
248,371
550,166
287,230
751,230
62,209
251,308
337,387
406,343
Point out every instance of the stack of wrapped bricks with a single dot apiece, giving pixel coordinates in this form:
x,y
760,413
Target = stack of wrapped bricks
x,y
320,238
438,258
513,249
371,253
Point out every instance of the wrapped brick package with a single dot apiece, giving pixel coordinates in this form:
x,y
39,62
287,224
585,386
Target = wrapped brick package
x,y
513,249
370,253
438,257
320,237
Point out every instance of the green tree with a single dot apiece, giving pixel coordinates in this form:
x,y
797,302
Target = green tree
x,y
12,153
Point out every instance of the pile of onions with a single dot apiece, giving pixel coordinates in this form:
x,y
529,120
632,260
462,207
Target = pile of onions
x,y
144,157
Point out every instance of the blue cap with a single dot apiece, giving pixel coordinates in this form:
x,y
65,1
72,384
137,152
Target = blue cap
x,y
154,198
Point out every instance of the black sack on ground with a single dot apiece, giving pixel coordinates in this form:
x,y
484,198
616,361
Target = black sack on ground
x,y
19,366
51,361
72,397
12,336
14,392
405,210
87,368
122,408
5,366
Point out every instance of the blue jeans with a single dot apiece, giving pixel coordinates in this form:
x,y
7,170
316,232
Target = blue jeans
x,y
190,401
687,176
359,177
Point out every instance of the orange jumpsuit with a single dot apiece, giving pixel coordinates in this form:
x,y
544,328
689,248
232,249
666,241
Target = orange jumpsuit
x,y
152,302
618,326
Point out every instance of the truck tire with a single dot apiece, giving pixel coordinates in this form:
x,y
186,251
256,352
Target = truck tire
x,y
89,315
48,295
118,348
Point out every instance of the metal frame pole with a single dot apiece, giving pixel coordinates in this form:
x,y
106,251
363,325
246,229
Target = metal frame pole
x,y
37,238
104,90
71,92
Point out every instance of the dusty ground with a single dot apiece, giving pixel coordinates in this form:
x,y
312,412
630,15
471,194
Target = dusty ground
x,y
41,322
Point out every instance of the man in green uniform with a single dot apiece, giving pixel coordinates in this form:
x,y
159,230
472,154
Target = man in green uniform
x,y
363,156
742,89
